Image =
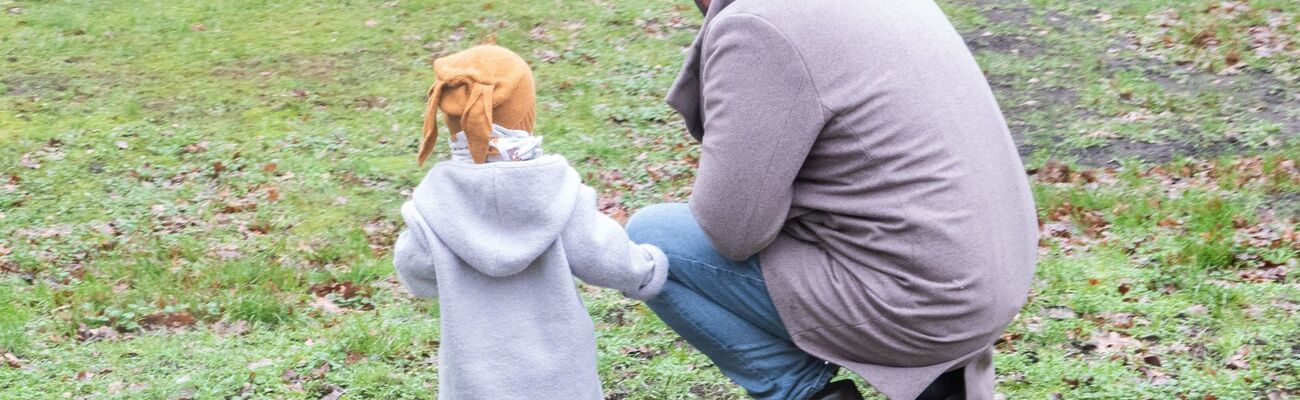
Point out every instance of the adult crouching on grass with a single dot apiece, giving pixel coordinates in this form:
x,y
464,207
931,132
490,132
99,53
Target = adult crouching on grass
x,y
859,203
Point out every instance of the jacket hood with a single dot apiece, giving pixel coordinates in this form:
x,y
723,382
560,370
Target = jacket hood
x,y
497,217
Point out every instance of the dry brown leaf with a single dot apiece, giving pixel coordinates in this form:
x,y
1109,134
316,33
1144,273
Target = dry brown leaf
x,y
236,328
1196,309
1156,376
334,394
168,320
87,334
1115,342
326,305
253,366
1054,172
1238,359
1059,312
346,290
320,370
13,361
354,357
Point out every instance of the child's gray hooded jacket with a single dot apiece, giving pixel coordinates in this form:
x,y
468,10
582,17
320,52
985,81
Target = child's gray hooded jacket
x,y
499,245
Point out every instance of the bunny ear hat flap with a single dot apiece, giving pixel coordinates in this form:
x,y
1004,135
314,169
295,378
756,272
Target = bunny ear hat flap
x,y
477,88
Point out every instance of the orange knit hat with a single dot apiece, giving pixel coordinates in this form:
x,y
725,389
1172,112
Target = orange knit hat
x,y
476,88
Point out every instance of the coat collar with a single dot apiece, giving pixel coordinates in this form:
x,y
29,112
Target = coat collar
x,y
684,96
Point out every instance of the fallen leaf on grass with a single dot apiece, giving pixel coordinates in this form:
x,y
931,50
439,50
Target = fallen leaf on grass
x,y
1196,309
1276,273
232,329
1059,312
612,205
539,34
347,290
227,251
197,147
28,162
1156,376
13,361
1074,383
326,305
1004,342
259,364
1238,359
546,56
1054,172
320,371
644,352
87,334
294,379
380,234
334,394
354,357
1115,320
1114,342
240,205
168,320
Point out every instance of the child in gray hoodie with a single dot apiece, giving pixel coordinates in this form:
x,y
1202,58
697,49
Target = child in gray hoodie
x,y
498,232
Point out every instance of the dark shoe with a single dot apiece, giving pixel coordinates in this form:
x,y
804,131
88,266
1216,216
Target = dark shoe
x,y
838,390
949,386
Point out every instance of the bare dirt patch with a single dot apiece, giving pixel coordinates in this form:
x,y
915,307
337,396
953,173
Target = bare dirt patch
x,y
1018,45
1249,97
30,85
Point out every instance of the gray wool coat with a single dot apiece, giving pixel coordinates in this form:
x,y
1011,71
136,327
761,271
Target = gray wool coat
x,y
856,148
499,244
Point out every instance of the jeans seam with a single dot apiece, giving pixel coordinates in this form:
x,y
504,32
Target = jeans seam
x,y
715,268
706,333
824,377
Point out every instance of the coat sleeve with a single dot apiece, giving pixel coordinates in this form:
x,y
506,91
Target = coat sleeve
x,y
762,114
411,256
600,253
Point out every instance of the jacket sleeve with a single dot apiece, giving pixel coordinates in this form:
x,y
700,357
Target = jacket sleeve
x,y
411,256
600,253
762,114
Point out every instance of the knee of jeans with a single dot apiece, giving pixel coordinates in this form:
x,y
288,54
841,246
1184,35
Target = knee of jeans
x,y
653,224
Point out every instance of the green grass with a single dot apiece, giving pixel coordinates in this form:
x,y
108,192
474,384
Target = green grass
x,y
182,182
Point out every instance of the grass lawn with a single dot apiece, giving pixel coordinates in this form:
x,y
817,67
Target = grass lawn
x,y
198,199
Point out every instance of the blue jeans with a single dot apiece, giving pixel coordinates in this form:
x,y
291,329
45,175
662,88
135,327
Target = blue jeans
x,y
723,309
